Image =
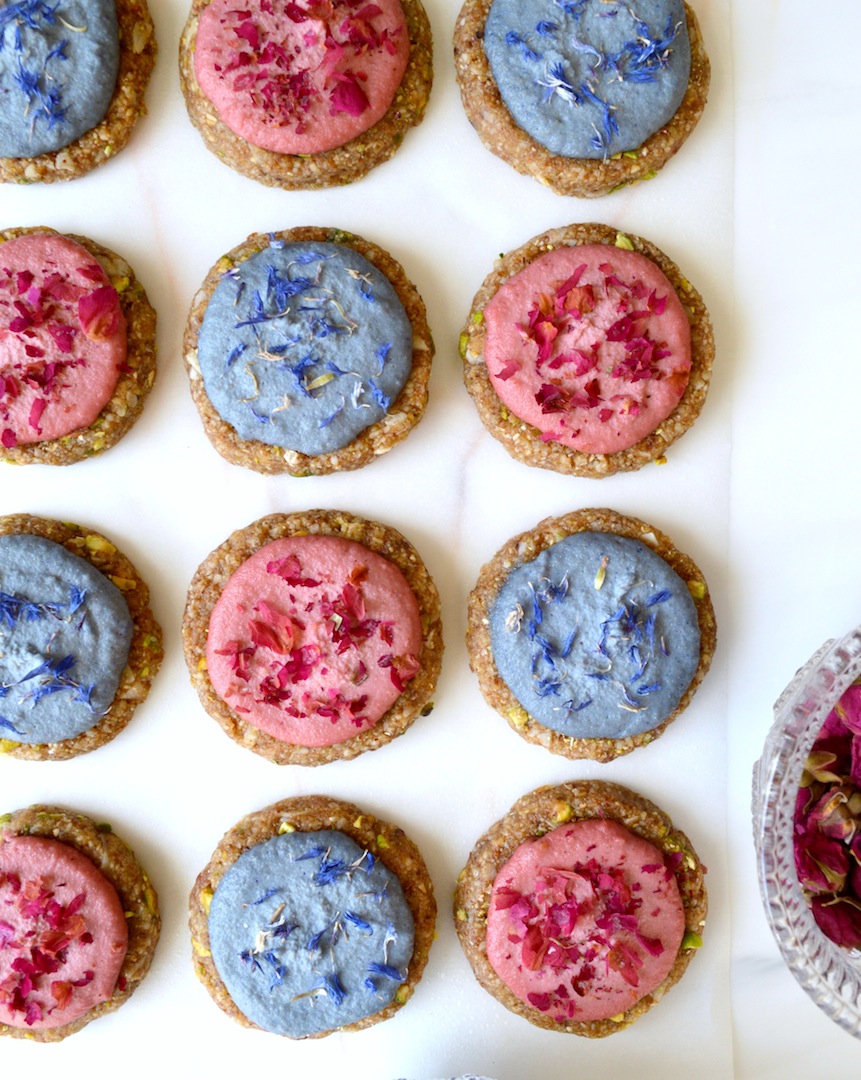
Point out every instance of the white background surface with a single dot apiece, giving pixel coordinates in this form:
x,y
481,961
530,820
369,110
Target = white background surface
x,y
758,210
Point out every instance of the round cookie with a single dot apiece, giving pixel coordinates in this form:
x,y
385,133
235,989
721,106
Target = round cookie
x,y
582,101
590,633
332,912
598,341
80,922
581,939
77,347
313,636
308,352
67,683
304,96
73,76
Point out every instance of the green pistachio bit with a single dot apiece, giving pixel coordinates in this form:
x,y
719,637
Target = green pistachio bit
x,y
518,716
691,940
623,242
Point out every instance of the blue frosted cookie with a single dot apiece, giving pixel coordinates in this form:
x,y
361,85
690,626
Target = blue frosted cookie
x,y
590,633
308,351
312,917
72,79
78,643
585,95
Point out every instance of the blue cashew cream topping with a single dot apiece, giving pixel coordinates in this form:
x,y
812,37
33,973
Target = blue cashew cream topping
x,y
309,933
597,637
304,346
65,632
59,61
587,78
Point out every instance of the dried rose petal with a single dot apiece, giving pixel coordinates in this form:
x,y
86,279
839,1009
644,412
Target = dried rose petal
x,y
99,313
839,920
347,96
848,709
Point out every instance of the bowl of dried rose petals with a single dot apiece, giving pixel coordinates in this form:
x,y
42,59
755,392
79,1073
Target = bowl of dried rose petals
x,y
807,828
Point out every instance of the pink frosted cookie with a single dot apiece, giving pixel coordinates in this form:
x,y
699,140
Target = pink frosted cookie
x,y
307,93
581,907
78,922
313,636
77,349
587,352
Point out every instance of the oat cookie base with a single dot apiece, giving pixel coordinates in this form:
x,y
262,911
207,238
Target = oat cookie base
x,y
211,577
343,164
138,51
585,178
135,381
536,814
118,863
405,412
524,442
145,652
525,547
312,813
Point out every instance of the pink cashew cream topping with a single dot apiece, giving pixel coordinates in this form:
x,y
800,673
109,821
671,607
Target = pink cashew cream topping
x,y
62,338
313,639
590,345
584,921
301,76
63,933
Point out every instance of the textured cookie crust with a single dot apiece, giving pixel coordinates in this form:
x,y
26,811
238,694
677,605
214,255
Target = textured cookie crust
x,y
566,176
525,547
343,164
136,378
138,51
211,577
145,652
522,440
536,814
312,813
119,865
405,412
